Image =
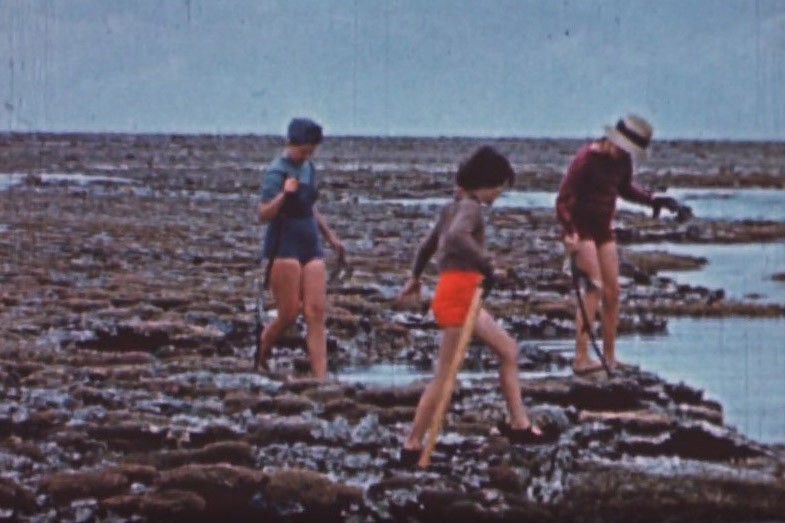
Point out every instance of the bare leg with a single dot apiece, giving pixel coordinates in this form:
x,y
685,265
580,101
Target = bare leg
x,y
505,348
314,291
427,404
588,262
285,284
609,268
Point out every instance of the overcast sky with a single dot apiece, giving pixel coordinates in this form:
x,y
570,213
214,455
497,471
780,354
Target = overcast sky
x,y
696,68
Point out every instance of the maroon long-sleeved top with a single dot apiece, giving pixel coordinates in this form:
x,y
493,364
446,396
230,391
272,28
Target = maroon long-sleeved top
x,y
589,189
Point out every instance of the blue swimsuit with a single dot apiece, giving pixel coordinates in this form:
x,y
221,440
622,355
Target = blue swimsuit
x,y
294,229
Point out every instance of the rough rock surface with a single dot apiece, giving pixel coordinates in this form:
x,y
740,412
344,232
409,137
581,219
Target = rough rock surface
x,y
126,313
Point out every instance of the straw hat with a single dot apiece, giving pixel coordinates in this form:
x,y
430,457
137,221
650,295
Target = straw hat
x,y
632,133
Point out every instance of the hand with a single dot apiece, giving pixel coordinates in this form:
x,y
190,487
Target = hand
x,y
339,247
571,243
684,213
410,291
658,202
291,185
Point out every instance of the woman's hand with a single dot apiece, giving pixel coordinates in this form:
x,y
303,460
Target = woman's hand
x,y
337,245
571,242
291,185
410,291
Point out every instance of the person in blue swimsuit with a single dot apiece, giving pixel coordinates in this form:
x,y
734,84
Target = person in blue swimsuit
x,y
292,243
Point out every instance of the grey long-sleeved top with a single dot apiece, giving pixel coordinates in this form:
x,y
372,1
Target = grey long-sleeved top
x,y
458,239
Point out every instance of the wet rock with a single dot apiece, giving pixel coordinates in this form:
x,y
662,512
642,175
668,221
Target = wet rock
x,y
267,430
291,404
636,421
130,435
629,495
682,393
231,452
327,392
708,411
67,486
695,440
137,473
370,434
504,478
553,418
299,385
169,505
151,336
297,490
15,497
37,423
392,396
238,401
547,390
616,394
227,490
346,408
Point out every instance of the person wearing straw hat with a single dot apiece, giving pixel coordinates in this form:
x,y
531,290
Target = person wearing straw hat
x,y
600,172
292,245
457,240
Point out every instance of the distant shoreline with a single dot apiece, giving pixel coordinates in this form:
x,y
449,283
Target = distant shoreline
x,y
392,137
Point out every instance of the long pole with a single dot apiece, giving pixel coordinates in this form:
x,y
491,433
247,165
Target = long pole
x,y
452,375
577,275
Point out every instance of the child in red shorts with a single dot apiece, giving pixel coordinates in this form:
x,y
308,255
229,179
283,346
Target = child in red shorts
x,y
458,240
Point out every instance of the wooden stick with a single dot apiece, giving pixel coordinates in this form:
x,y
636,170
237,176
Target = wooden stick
x,y
452,375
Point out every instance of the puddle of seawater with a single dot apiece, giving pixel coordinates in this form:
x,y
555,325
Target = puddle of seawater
x,y
739,362
723,204
399,375
744,270
10,179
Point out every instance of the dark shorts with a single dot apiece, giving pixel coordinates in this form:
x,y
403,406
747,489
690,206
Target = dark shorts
x,y
597,229
297,238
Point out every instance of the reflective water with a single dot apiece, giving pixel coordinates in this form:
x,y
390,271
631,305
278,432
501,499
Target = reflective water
x,y
739,362
744,270
727,204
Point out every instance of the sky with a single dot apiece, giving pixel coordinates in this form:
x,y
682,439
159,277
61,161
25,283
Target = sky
x,y
704,69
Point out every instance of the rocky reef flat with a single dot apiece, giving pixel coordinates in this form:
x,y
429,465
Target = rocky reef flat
x,y
127,302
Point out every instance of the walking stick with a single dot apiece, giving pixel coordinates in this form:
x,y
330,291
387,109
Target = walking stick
x,y
577,276
455,365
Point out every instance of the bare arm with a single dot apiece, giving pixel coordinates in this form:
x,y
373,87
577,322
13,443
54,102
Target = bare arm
x,y
426,250
328,233
269,209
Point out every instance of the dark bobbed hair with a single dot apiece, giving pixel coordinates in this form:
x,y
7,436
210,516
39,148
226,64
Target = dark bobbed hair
x,y
304,131
485,168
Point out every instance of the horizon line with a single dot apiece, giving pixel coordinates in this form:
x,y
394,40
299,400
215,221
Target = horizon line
x,y
374,136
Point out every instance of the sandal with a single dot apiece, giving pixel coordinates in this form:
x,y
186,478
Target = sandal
x,y
526,436
588,371
409,457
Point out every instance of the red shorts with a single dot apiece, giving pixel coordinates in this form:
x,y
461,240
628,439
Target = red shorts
x,y
597,229
453,296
